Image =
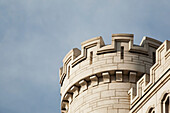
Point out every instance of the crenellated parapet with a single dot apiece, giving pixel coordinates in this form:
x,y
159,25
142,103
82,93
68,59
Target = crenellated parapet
x,y
97,64
76,56
149,84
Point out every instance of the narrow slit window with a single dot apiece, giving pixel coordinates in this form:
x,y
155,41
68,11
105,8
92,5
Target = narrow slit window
x,y
91,57
153,57
68,71
122,52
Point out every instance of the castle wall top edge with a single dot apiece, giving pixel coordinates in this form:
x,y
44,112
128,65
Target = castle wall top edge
x,y
149,39
122,35
75,56
117,77
100,39
74,52
158,73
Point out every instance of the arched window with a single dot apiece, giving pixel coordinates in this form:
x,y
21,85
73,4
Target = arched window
x,y
151,110
165,106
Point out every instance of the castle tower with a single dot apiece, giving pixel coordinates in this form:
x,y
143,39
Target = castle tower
x,y
97,78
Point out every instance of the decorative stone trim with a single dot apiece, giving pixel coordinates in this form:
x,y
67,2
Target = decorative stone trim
x,y
122,35
135,104
151,109
132,93
66,105
132,77
83,85
106,77
76,56
141,84
119,76
75,91
144,84
69,97
110,68
94,80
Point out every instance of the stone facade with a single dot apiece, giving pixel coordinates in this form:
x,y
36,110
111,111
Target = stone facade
x,y
117,78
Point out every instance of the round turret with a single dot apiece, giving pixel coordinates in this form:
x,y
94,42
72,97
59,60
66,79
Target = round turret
x,y
96,79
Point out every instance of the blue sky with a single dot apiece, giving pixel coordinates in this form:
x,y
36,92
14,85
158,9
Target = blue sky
x,y
36,34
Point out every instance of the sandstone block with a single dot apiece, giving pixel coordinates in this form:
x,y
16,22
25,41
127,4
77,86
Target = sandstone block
x,y
94,80
108,93
100,88
83,84
75,91
132,77
119,76
69,97
120,106
106,77
121,93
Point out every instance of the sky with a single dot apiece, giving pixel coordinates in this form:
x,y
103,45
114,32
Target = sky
x,y
35,35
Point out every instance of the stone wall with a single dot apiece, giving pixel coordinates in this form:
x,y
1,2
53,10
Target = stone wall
x,y
150,92
100,67
104,98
